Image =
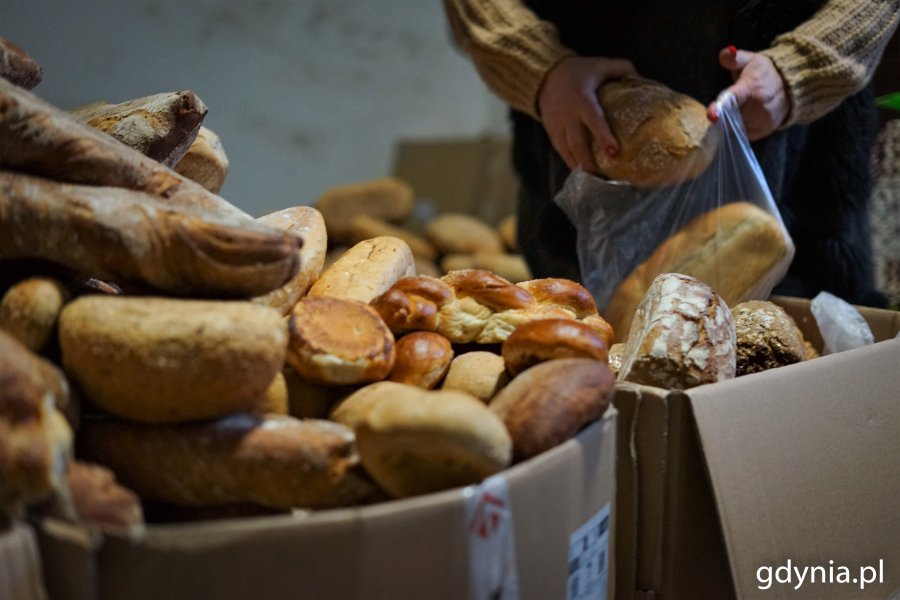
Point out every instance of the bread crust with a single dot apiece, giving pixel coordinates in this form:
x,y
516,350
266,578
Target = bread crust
x,y
479,373
766,337
462,233
387,198
29,310
423,358
366,270
546,339
205,161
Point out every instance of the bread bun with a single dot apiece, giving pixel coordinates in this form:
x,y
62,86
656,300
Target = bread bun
x,y
664,136
388,198
205,161
308,400
766,337
732,248
29,310
682,336
366,270
423,358
479,373
549,403
274,400
461,233
159,360
547,339
511,267
339,342
352,410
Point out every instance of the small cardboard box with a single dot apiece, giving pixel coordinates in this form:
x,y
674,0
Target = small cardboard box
x,y
20,565
541,527
733,489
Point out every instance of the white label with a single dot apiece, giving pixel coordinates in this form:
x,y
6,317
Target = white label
x,y
589,558
492,555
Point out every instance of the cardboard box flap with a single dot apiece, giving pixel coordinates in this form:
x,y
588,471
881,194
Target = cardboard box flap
x,y
818,492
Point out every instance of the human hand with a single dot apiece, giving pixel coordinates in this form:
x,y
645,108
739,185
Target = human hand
x,y
571,113
758,89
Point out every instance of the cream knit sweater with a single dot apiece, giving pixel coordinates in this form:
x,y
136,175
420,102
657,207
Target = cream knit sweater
x,y
826,59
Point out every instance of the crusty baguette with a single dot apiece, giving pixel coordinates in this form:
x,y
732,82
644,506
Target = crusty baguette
x,y
731,248
366,270
120,234
39,138
162,126
159,360
17,66
275,461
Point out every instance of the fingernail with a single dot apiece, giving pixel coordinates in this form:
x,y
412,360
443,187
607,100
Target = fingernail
x,y
611,151
732,50
714,116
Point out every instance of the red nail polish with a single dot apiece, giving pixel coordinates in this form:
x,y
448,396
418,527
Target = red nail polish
x,y
714,116
611,151
732,50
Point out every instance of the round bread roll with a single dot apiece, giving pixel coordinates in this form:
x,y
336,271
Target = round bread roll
x,y
339,342
423,358
549,403
366,270
664,136
159,360
306,223
511,267
351,411
546,339
432,441
29,310
460,233
205,161
479,373
766,337
387,198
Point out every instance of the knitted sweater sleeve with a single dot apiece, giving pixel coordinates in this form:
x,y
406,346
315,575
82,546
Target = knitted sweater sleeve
x,y
511,47
833,55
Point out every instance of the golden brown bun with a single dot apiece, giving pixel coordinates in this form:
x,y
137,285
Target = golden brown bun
x,y
364,227
547,339
479,373
35,440
18,66
100,500
460,233
423,358
159,360
30,309
119,234
549,403
682,336
161,126
387,198
205,161
366,270
511,267
731,248
412,303
270,460
507,230
419,443
339,342
307,224
766,336
664,136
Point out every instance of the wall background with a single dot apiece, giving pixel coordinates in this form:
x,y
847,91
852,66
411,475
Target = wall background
x,y
305,94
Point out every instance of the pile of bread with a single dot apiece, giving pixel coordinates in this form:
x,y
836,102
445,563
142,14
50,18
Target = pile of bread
x,y
166,355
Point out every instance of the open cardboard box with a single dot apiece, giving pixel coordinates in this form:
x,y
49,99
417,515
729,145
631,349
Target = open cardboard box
x,y
721,485
542,526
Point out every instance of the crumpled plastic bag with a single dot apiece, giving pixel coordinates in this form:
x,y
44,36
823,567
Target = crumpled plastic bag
x,y
841,325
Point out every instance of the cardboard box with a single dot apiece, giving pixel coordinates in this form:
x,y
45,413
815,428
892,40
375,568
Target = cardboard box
x,y
722,485
541,526
20,565
468,175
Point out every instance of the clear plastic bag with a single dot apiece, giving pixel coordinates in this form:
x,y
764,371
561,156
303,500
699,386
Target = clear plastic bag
x,y
841,325
619,226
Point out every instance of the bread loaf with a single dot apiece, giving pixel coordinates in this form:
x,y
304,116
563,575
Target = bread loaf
x,y
511,267
119,234
423,358
30,309
339,342
548,339
664,136
682,336
366,270
461,233
161,126
308,225
205,161
549,403
388,198
479,373
364,227
766,337
159,360
732,248
507,230
100,500
308,400
18,67
275,461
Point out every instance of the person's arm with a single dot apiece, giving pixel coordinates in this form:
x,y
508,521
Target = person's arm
x,y
512,49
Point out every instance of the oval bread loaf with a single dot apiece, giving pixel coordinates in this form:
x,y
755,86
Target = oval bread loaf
x,y
387,198
160,360
366,270
462,233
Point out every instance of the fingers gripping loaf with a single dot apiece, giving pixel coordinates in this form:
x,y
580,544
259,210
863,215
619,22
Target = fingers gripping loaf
x,y
479,306
366,270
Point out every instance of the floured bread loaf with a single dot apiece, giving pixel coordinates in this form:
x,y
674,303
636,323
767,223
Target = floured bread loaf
x,y
366,270
205,161
682,336
664,136
767,337
163,360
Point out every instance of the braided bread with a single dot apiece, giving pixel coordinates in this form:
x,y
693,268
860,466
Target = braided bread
x,y
476,305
